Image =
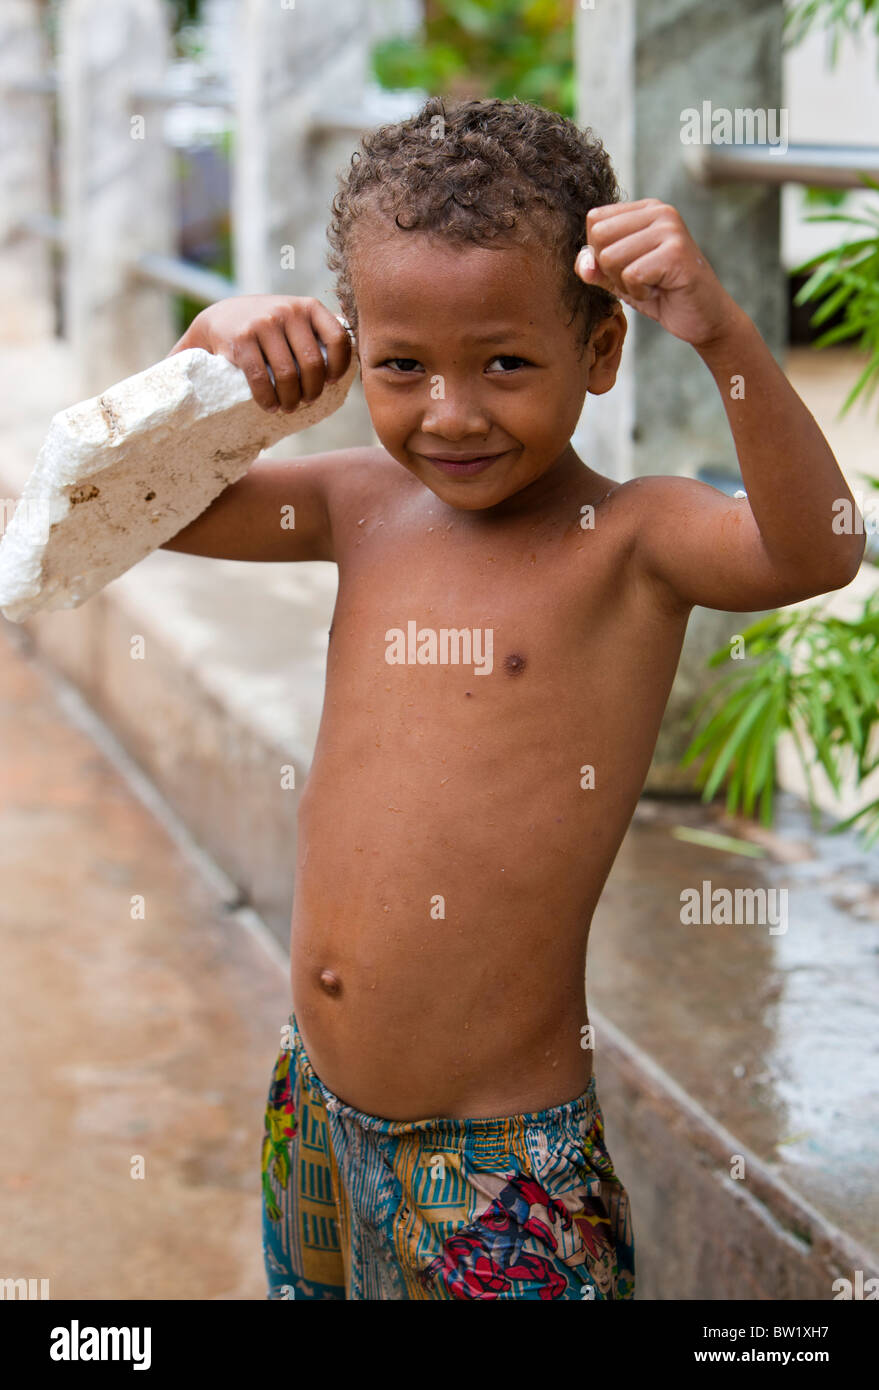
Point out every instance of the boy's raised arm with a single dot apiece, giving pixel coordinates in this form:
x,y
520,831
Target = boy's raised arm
x,y
784,542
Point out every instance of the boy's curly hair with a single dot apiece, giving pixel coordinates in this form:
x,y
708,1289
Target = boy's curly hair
x,y
474,171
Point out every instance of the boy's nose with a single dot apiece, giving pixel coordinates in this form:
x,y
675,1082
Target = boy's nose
x,y
455,417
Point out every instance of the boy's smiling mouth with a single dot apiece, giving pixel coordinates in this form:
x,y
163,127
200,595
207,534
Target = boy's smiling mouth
x,y
463,464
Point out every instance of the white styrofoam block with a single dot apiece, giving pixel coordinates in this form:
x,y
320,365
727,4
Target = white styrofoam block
x,y
123,472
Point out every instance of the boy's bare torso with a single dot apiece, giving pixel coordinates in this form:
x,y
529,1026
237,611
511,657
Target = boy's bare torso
x,y
432,784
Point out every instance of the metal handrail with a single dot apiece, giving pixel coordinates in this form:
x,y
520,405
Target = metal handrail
x,y
171,272
183,277
31,85
818,166
43,225
216,95
211,94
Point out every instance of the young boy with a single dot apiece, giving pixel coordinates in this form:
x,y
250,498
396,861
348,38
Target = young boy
x,y
506,632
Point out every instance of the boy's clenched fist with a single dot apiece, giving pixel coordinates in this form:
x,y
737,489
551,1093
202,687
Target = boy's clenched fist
x,y
643,253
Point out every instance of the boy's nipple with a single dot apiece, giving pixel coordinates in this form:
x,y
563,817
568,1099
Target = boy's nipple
x,y
330,981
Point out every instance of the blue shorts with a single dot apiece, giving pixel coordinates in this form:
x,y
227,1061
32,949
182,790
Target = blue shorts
x,y
358,1207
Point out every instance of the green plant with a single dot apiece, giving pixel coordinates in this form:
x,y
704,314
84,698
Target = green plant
x,y
846,278
823,196
495,48
837,16
809,674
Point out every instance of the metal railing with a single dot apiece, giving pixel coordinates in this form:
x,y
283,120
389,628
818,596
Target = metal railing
x,y
817,166
170,272
92,253
184,277
208,94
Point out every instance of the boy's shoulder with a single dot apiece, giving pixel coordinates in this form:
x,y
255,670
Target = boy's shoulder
x,y
660,499
365,457
648,488
658,513
359,475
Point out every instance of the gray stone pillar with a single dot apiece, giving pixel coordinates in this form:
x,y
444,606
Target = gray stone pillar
x,y
605,62
301,86
26,307
117,185
640,65
297,64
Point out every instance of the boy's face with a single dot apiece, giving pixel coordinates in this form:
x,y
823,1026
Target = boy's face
x,y
466,353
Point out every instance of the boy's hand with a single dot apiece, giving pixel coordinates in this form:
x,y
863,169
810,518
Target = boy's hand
x,y
259,331
645,255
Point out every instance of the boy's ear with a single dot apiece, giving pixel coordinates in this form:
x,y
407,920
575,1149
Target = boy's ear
x,y
606,348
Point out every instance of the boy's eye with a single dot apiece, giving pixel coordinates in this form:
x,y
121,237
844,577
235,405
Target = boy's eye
x,y
516,361
402,364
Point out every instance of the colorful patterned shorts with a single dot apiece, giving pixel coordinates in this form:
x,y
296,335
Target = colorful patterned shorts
x,y
358,1207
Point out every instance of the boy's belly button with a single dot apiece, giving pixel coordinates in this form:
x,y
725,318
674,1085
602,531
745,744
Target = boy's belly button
x,y
330,982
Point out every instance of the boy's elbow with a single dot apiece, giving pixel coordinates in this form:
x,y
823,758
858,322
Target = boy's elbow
x,y
846,564
856,557
812,580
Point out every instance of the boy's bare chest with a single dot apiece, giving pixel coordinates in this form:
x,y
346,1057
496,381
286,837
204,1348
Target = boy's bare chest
x,y
476,647
507,604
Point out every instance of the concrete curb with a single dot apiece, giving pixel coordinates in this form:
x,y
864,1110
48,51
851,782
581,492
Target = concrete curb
x,y
700,1234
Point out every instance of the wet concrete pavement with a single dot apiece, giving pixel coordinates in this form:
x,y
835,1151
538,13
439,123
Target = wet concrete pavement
x,y
121,1035
770,1028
